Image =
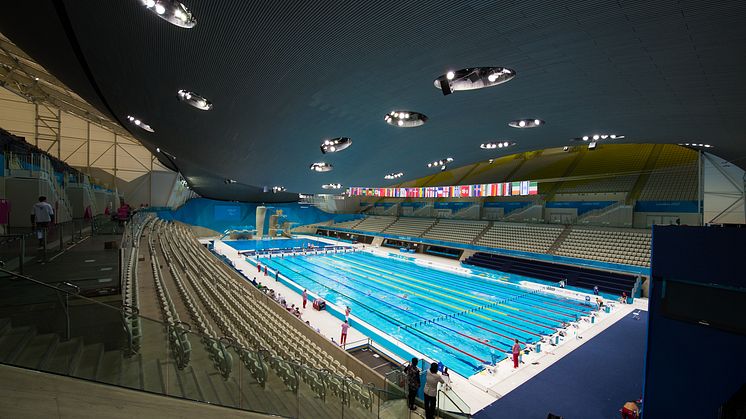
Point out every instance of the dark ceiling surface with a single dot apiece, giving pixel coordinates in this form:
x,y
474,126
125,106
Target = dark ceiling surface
x,y
283,76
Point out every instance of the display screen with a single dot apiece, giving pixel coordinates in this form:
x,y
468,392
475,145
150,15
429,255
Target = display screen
x,y
526,187
227,212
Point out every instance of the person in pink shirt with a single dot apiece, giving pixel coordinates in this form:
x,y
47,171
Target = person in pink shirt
x,y
343,338
305,298
516,353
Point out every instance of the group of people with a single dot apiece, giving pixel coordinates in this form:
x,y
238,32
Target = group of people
x,y
432,379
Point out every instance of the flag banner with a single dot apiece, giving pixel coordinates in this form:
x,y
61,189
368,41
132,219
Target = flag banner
x,y
521,188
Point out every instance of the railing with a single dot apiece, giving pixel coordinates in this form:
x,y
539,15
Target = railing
x,y
449,404
24,247
90,340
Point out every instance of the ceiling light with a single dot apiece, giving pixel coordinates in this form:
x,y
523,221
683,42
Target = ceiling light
x,y
526,123
158,149
612,136
472,78
276,189
596,137
332,186
321,167
585,138
406,119
171,11
395,175
139,123
194,99
229,181
566,148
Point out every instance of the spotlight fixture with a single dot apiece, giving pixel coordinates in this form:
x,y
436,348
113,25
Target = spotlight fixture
x,y
139,123
229,181
331,186
442,163
321,167
335,145
194,99
526,123
405,119
697,145
598,137
500,144
391,176
472,78
172,12
276,189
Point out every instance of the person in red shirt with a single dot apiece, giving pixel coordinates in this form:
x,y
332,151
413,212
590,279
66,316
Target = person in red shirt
x,y
343,338
516,353
305,298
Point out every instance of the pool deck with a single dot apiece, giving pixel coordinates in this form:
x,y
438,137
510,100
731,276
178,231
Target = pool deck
x,y
477,391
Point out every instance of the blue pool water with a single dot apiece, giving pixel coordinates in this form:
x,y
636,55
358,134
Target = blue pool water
x,y
272,244
463,321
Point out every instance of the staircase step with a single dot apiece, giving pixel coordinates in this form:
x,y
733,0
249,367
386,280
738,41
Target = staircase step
x,y
63,357
152,377
37,350
131,375
109,371
13,341
89,361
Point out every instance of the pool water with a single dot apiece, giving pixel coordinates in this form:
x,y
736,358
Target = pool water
x,y
273,244
461,320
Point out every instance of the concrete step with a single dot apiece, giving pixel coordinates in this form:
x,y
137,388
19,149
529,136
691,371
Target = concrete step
x,y
132,372
37,350
110,368
13,341
89,361
65,354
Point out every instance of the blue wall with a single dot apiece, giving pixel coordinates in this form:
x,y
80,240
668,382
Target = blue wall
x,y
453,206
508,205
667,206
221,215
691,369
581,206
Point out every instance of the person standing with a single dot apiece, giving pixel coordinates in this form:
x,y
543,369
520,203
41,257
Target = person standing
x,y
343,338
431,390
277,277
348,310
413,382
305,298
258,267
595,290
516,353
42,214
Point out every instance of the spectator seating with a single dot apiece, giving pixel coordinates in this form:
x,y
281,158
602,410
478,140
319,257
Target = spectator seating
x,y
456,231
524,237
412,227
608,282
373,223
674,177
630,247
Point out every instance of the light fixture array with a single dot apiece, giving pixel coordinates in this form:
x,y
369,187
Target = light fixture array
x,y
526,123
492,146
699,145
335,145
229,181
442,163
332,186
472,78
321,167
276,189
405,119
194,100
598,137
172,12
391,176
139,123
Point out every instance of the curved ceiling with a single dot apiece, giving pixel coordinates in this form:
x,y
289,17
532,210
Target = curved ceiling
x,y
285,76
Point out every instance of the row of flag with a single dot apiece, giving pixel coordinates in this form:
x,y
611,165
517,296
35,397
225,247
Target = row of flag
x,y
525,187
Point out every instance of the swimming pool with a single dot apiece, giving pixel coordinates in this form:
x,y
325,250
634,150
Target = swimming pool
x,y
273,244
462,320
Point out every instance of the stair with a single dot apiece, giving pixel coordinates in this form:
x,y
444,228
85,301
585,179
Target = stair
x,y
560,239
37,350
110,368
430,228
481,233
65,354
642,180
89,361
13,341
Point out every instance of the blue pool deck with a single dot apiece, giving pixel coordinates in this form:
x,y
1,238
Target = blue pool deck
x,y
266,244
464,320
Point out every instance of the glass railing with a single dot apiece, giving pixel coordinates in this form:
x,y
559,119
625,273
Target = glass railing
x,y
72,335
449,404
23,246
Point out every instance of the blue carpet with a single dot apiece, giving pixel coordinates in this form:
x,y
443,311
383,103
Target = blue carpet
x,y
593,381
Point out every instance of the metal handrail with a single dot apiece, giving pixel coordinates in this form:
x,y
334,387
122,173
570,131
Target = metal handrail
x,y
440,391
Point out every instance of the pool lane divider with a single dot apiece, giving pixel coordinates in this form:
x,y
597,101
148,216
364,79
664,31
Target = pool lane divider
x,y
522,292
463,301
443,316
387,318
